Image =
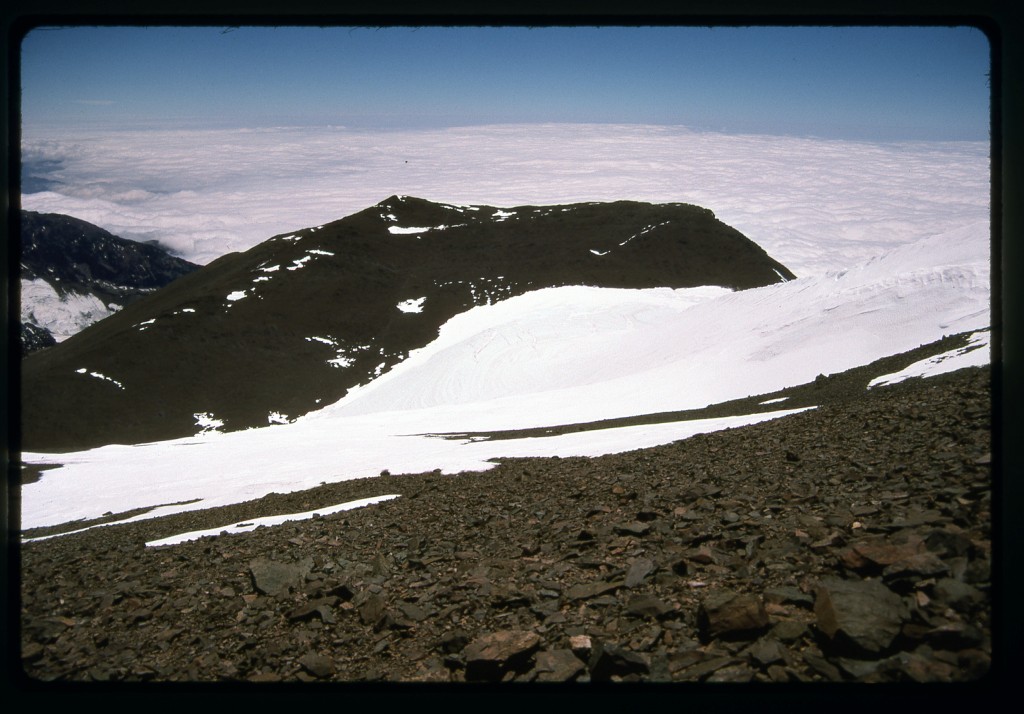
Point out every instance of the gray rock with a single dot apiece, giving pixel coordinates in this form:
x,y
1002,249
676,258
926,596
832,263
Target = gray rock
x,y
608,660
957,594
585,591
733,674
648,606
766,652
862,613
789,630
453,641
788,595
635,528
271,577
317,665
639,570
823,667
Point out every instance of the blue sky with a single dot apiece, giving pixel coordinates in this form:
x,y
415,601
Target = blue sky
x,y
871,83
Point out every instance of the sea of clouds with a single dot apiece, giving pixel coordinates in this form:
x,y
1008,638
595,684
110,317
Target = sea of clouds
x,y
813,204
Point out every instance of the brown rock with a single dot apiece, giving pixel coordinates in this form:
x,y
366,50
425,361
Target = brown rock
x,y
317,665
490,656
558,666
372,609
732,615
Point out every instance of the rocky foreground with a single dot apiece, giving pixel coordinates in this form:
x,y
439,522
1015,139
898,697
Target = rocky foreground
x,y
851,542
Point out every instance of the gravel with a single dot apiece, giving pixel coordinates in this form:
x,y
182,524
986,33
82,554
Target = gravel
x,y
851,542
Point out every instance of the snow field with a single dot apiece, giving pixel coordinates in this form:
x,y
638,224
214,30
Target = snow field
x,y
555,356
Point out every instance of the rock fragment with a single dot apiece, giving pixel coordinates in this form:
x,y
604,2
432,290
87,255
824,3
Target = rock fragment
x,y
608,660
862,613
272,577
732,615
490,656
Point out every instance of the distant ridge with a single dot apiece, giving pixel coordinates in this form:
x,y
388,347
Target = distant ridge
x,y
292,324
74,273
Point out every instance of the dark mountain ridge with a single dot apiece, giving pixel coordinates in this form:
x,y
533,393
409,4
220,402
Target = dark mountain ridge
x,y
293,323
78,258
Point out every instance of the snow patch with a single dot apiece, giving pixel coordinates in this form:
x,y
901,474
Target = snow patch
x,y
326,340
268,521
207,423
398,230
104,377
299,262
412,305
237,295
62,315
975,354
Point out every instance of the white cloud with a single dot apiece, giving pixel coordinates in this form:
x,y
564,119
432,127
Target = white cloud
x,y
813,204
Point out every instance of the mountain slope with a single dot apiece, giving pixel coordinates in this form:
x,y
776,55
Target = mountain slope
x,y
754,355
292,324
74,273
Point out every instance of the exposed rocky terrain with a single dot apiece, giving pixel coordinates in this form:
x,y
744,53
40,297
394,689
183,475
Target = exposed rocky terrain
x,y
79,259
308,315
851,542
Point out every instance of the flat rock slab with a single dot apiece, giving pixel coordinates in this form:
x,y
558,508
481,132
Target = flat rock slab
x,y
271,577
609,660
560,665
864,613
490,656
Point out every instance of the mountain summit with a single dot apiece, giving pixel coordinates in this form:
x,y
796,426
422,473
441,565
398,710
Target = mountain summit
x,y
292,324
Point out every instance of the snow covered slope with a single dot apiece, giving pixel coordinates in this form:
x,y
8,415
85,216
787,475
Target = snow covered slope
x,y
578,354
292,324
548,357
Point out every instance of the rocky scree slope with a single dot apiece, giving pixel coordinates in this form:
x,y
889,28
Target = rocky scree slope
x,y
292,324
79,260
851,542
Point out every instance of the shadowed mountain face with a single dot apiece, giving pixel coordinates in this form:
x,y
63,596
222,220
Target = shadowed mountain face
x,y
79,273
292,324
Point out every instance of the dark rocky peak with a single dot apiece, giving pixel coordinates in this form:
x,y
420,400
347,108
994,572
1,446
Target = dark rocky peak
x,y
74,255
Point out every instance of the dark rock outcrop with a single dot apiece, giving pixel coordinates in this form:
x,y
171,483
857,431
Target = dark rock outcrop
x,y
78,258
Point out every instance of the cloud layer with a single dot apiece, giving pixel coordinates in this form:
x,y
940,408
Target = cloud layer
x,y
813,204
